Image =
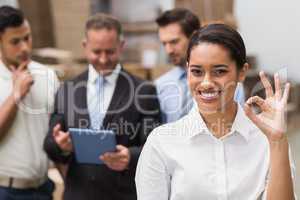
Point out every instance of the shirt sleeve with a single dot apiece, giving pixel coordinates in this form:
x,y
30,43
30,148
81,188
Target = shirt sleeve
x,y
53,85
152,177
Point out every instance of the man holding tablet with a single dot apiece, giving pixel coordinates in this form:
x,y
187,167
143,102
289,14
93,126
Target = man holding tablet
x,y
105,97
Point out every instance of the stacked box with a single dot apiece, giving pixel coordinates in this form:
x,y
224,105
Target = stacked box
x,y
208,10
69,19
40,17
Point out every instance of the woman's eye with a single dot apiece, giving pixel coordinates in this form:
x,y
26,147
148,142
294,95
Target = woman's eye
x,y
196,72
220,72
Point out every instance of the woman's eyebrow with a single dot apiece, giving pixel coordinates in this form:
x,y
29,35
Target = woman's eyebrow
x,y
220,66
214,66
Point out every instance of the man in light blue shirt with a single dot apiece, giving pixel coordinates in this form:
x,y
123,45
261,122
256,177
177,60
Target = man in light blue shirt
x,y
173,93
175,29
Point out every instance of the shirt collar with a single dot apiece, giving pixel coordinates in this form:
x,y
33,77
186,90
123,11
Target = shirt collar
x,y
110,78
242,124
180,72
195,122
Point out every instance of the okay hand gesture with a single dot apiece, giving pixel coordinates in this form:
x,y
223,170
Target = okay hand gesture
x,y
272,119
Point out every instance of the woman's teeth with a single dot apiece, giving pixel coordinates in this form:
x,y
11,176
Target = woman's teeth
x,y
209,95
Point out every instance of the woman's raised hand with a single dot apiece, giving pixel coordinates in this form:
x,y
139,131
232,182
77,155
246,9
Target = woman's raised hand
x,y
272,119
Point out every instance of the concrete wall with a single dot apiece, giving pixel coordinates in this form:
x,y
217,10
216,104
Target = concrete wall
x,y
271,32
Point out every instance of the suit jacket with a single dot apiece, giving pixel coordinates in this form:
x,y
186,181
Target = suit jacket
x,y
136,104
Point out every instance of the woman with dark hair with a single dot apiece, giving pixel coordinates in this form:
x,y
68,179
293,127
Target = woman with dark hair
x,y
220,150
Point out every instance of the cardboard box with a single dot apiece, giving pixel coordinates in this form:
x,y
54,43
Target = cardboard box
x,y
40,17
69,18
208,10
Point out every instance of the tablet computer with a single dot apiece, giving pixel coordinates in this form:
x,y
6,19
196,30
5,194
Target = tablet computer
x,y
89,144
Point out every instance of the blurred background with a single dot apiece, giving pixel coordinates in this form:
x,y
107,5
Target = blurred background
x,y
270,30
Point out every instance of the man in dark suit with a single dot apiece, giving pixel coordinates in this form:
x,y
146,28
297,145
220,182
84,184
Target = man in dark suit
x,y
128,106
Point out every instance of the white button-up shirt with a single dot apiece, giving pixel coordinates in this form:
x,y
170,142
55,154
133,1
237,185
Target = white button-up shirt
x,y
184,161
21,150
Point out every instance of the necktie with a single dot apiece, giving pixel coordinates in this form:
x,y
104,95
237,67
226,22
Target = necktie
x,y
97,104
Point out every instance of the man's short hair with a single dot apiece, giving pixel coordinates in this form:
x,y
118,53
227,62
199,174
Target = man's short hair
x,y
187,20
10,17
104,21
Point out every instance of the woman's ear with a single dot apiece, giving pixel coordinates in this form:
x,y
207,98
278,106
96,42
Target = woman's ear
x,y
243,72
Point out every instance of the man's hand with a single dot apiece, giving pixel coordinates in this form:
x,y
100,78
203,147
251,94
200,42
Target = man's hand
x,y
118,160
62,139
22,81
